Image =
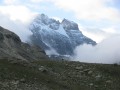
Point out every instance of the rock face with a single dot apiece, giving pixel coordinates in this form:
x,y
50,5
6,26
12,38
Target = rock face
x,y
12,47
62,37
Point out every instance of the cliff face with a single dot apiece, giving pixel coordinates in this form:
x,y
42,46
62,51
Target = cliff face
x,y
12,47
63,36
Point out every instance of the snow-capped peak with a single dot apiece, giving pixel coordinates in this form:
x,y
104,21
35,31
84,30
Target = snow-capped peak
x,y
62,37
62,31
42,18
69,25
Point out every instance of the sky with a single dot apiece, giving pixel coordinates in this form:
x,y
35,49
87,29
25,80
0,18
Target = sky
x,y
97,19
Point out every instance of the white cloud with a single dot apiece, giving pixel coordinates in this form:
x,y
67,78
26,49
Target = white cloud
x,y
15,26
83,9
36,1
16,18
57,18
90,9
99,34
112,30
93,33
17,12
96,37
51,52
10,1
108,51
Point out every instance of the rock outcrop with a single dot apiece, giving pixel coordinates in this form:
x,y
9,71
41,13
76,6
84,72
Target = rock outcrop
x,y
12,47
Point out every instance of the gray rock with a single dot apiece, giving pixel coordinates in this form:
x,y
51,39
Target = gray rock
x,y
22,80
98,76
90,72
86,70
42,69
91,84
108,81
15,82
79,68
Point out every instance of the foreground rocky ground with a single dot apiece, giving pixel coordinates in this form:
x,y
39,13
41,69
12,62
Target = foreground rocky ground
x,y
57,75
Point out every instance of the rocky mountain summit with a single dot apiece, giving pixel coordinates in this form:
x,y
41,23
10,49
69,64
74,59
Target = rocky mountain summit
x,y
62,37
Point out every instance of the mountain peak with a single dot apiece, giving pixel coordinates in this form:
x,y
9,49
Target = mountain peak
x,y
62,37
69,25
66,20
42,18
45,19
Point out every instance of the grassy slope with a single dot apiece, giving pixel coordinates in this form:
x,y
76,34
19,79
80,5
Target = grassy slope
x,y
58,75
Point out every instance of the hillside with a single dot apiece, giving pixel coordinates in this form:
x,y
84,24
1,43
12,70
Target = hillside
x,y
12,47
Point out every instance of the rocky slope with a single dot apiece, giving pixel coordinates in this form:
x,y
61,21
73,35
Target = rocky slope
x,y
12,47
62,37
58,75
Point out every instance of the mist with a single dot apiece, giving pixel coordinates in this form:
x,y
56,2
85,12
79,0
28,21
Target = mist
x,y
19,28
105,52
51,52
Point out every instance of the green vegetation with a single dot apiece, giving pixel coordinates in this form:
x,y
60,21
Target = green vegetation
x,y
58,75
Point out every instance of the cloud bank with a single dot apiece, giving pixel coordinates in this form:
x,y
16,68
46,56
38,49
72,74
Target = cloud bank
x,y
17,12
15,26
16,18
90,9
107,52
51,52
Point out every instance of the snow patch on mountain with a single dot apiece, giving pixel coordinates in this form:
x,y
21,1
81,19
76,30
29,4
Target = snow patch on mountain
x,y
62,31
